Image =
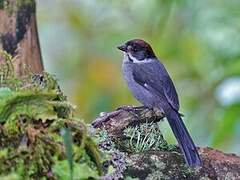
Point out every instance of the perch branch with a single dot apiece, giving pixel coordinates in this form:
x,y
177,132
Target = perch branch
x,y
164,164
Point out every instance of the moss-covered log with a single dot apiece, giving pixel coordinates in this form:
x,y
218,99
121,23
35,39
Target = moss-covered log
x,y
147,154
39,136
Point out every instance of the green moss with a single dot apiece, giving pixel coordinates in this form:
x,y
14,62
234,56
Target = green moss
x,y
33,110
13,6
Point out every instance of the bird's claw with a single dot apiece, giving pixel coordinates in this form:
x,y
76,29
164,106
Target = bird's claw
x,y
104,117
133,110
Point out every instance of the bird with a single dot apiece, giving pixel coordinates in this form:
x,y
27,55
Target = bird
x,y
151,85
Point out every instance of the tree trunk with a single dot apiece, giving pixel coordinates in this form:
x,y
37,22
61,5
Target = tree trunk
x,y
19,35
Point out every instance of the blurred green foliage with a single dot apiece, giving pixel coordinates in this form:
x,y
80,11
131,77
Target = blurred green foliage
x,y
198,41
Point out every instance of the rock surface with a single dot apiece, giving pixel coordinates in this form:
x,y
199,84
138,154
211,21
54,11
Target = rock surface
x,y
168,163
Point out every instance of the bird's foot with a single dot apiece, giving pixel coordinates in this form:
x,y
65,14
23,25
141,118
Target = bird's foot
x,y
104,117
133,110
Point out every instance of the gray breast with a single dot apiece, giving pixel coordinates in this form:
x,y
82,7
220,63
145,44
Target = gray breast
x,y
138,91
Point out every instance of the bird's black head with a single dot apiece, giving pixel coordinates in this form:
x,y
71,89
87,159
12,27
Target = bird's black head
x,y
137,49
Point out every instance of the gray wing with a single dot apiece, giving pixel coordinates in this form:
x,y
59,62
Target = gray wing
x,y
154,77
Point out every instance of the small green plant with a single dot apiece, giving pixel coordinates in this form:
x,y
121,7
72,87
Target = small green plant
x,y
67,140
145,137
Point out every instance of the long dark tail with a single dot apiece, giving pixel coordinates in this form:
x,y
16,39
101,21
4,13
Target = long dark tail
x,y
184,139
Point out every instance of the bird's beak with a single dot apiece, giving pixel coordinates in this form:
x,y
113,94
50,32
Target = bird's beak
x,y
122,48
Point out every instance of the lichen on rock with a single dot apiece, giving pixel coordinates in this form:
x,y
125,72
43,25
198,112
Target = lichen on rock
x,y
135,132
144,137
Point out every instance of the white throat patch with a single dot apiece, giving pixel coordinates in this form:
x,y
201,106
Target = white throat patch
x,y
134,60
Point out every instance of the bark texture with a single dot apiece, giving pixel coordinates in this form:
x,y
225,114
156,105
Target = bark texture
x,y
19,35
164,164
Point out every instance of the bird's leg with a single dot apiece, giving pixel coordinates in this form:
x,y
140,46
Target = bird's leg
x,y
104,117
135,111
131,108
